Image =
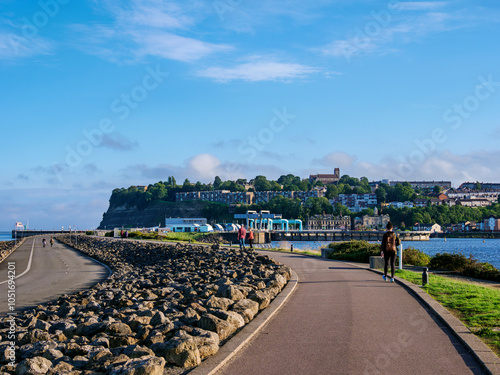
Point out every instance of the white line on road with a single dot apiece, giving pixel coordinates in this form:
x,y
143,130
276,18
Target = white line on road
x,y
28,267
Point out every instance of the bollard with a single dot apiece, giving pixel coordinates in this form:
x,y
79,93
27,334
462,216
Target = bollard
x,y
291,248
190,240
425,276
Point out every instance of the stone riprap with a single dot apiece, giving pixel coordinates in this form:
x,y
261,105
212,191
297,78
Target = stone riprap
x,y
6,247
163,310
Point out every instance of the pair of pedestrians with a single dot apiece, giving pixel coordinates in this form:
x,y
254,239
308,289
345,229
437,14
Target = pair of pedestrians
x,y
242,233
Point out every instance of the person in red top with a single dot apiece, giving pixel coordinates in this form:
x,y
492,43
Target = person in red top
x,y
250,237
242,233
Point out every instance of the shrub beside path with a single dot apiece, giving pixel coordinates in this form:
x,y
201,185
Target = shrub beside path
x,y
344,320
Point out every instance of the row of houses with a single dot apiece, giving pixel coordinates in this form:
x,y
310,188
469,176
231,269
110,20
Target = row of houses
x,y
331,222
228,197
484,186
356,202
459,199
491,224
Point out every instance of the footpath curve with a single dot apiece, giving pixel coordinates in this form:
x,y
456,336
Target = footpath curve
x,y
344,320
45,273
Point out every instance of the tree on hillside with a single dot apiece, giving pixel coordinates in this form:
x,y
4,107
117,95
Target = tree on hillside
x,y
316,206
341,210
262,184
381,194
171,181
217,183
332,191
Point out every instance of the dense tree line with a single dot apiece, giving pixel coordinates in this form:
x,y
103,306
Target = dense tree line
x,y
295,209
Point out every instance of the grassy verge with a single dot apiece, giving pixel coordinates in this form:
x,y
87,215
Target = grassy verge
x,y
278,250
476,306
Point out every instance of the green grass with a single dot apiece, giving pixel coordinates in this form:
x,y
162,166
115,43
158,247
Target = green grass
x,y
478,307
279,250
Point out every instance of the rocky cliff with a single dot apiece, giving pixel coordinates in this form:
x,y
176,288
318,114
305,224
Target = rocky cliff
x,y
129,217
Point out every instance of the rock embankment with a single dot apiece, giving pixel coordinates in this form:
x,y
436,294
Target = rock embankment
x,y
164,309
6,248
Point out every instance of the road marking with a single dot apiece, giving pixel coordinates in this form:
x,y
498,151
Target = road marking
x,y
27,268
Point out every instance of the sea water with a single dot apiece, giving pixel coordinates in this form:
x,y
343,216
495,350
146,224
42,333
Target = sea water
x,y
6,236
487,250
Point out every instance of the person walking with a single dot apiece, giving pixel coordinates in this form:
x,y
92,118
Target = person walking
x,y
44,242
241,236
51,241
390,242
250,238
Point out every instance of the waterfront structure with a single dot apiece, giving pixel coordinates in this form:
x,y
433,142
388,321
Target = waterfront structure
x,y
329,222
433,228
356,202
375,221
326,178
264,220
180,224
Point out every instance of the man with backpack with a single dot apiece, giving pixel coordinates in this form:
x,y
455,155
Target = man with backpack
x,y
390,242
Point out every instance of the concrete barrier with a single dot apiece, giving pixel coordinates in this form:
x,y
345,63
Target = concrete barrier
x,y
376,262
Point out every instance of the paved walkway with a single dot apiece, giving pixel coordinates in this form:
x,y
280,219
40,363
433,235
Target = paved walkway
x,y
346,320
45,273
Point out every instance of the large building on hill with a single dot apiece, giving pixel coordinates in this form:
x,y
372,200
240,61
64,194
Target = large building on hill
x,y
485,186
228,197
423,185
326,178
356,202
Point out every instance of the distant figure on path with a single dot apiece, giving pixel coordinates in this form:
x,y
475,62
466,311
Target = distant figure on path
x,y
241,236
390,242
250,238
51,241
44,242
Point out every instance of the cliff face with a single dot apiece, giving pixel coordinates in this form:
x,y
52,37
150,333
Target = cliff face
x,y
130,217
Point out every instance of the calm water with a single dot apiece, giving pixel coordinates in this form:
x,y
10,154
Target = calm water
x,y
6,236
487,251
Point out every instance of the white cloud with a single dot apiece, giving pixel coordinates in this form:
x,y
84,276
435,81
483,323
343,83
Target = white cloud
x,y
52,208
142,28
458,168
174,47
384,34
336,159
421,5
206,166
261,70
117,141
15,46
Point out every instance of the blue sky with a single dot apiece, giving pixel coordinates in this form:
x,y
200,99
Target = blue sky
x,y
103,94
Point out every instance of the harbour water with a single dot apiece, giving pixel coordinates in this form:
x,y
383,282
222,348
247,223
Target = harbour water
x,y
6,236
487,251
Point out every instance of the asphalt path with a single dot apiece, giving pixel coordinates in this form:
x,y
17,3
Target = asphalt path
x,y
45,273
345,320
